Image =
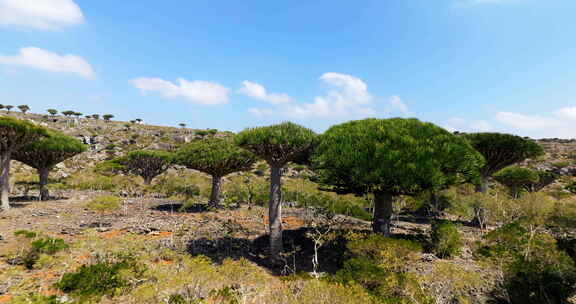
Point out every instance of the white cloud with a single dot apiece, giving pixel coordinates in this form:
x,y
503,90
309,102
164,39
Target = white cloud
x,y
36,58
568,113
398,104
198,91
257,91
40,14
559,123
348,97
481,126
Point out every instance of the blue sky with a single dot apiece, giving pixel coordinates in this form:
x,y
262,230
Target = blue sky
x,y
470,65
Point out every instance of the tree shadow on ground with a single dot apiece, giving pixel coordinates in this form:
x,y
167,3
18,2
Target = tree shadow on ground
x,y
29,198
180,208
297,257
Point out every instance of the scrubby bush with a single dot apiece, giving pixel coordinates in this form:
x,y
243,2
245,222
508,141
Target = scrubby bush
x,y
34,298
535,270
109,276
380,265
335,204
445,239
105,203
36,250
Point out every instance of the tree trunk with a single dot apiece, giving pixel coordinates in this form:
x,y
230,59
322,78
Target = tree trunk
x,y
275,213
215,194
148,180
483,186
43,178
382,213
5,180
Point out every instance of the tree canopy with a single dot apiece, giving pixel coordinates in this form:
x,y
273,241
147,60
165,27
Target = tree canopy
x,y
44,154
277,144
146,163
391,157
502,150
14,134
396,156
217,157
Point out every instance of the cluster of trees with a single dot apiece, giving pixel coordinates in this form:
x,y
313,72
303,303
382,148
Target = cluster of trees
x,y
22,108
386,158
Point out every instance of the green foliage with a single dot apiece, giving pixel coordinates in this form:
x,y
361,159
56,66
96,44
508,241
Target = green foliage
x,y
517,179
278,144
503,150
107,117
380,265
571,187
25,233
37,248
16,133
146,163
336,204
106,277
178,187
445,239
535,271
49,151
215,156
52,111
105,203
398,156
34,298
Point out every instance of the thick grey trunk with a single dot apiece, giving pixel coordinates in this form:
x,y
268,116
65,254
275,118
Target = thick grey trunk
x,y
275,213
382,213
43,175
5,180
215,194
148,180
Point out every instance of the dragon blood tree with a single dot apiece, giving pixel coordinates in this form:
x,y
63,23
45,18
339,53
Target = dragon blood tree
x,y
14,134
277,145
217,157
500,151
43,155
145,163
389,158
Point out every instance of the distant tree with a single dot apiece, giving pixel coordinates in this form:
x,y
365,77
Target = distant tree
x,y
2,106
14,134
133,121
277,145
44,154
138,120
216,157
8,107
68,113
501,151
389,158
88,116
24,108
182,125
52,112
145,163
77,114
545,178
96,116
107,117
517,179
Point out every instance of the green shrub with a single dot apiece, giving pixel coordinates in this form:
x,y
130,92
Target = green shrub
x,y
571,187
445,239
380,265
25,233
34,298
334,203
535,270
106,277
105,203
